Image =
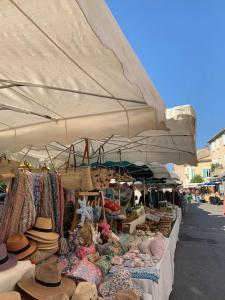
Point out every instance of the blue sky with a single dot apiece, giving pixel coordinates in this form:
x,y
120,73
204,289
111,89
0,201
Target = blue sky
x,y
181,44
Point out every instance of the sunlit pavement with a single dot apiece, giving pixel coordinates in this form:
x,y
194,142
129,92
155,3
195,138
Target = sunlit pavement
x,y
200,255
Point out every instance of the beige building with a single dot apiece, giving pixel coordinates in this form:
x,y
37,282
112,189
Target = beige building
x,y
186,172
217,149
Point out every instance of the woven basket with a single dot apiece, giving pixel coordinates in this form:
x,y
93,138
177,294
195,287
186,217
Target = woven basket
x,y
101,178
86,180
8,166
72,179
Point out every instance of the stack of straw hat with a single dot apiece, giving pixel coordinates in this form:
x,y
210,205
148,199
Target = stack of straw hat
x,y
47,240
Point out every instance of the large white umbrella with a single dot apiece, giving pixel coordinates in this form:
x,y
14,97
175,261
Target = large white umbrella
x,y
67,72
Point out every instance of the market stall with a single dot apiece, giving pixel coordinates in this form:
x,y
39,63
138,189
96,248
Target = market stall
x,y
80,123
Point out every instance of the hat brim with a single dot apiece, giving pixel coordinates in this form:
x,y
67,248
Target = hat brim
x,y
41,255
11,262
46,236
48,246
28,252
38,291
10,296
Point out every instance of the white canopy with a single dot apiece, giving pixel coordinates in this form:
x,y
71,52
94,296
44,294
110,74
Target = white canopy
x,y
176,146
67,72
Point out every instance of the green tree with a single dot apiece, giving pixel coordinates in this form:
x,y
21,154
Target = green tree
x,y
197,179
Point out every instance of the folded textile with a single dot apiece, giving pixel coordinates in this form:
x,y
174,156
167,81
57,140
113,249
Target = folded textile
x,y
140,273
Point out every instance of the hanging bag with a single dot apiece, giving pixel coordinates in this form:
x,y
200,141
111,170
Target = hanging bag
x,y
8,166
86,180
71,177
101,177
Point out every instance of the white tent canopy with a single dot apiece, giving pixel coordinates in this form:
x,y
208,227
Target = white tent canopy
x,y
176,146
67,72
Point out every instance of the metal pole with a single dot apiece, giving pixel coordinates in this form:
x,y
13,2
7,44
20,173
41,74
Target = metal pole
x,y
144,193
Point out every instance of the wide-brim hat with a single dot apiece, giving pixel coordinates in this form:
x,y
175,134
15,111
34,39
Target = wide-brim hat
x,y
43,246
38,291
41,255
85,291
40,240
19,245
42,236
47,282
10,296
43,230
58,297
7,260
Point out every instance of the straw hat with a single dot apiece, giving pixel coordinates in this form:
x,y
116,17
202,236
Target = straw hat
x,y
42,231
41,255
126,295
7,260
85,291
47,282
10,296
47,246
19,245
58,297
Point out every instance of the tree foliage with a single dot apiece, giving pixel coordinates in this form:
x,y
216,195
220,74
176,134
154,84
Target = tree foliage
x,y
197,179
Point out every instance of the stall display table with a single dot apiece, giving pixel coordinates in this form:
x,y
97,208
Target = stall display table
x,y
9,278
162,289
130,227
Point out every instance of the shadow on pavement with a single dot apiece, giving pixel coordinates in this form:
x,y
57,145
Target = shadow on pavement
x,y
200,255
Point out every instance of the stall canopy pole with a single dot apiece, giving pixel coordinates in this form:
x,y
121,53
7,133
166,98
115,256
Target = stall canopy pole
x,y
144,194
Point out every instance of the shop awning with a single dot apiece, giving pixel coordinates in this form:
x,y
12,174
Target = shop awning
x,y
176,146
67,72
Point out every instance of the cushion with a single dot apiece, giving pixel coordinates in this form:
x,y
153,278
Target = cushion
x,y
86,271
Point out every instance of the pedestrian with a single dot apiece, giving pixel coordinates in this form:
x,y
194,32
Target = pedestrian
x,y
142,198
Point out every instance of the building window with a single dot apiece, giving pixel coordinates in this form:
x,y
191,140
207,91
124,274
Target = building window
x,y
218,143
224,139
213,146
206,173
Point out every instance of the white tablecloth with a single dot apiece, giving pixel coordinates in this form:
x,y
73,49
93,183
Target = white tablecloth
x,y
9,278
162,290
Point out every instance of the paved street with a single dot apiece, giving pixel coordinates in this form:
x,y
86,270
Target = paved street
x,y
200,255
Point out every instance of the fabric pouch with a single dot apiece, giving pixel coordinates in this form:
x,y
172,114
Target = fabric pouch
x,y
117,260
86,271
83,251
104,264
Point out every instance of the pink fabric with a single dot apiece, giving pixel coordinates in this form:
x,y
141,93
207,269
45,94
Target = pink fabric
x,y
83,251
157,247
87,271
129,256
117,260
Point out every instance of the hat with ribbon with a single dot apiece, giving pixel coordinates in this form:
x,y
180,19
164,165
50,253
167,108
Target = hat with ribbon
x,y
19,245
42,231
10,296
47,282
7,260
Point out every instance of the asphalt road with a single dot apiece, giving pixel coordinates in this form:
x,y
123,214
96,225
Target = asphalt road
x,y
200,255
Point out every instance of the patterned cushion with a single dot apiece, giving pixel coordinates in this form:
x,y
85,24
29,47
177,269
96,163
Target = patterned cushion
x,y
87,271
